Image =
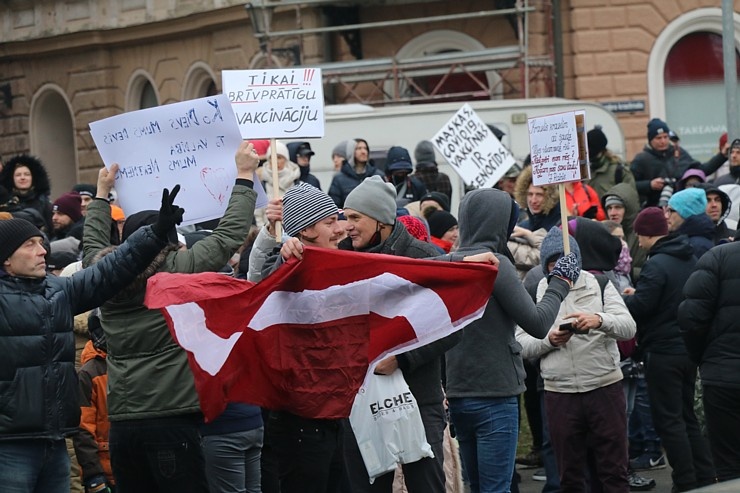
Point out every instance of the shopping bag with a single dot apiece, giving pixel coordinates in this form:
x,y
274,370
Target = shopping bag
x,y
387,424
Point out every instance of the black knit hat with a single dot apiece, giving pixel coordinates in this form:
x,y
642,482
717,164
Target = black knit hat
x,y
13,234
596,141
141,219
440,222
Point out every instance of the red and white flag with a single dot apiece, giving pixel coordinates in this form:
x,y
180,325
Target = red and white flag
x,y
302,339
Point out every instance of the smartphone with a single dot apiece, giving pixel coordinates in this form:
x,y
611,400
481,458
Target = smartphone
x,y
570,328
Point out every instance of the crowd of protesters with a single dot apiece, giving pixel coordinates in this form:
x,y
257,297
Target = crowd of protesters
x,y
625,350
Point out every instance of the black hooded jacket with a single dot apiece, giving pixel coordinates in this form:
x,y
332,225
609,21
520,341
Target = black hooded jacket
x,y
37,197
700,230
658,292
722,232
306,176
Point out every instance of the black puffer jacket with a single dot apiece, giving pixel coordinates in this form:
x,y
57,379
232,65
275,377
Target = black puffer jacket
x,y
658,292
709,316
650,163
38,382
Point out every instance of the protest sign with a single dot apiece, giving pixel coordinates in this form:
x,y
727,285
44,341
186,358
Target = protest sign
x,y
191,143
557,150
278,103
472,150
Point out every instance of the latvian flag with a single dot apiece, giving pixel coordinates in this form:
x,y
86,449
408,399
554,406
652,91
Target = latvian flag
x,y
302,339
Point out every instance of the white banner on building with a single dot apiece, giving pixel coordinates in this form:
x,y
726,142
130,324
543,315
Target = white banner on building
x,y
472,150
191,143
277,103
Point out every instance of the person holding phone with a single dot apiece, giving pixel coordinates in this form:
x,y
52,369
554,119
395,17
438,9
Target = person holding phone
x,y
579,363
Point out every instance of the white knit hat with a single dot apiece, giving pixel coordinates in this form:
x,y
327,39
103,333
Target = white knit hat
x,y
304,205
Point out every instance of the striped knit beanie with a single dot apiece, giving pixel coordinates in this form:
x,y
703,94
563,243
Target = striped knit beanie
x,y
304,205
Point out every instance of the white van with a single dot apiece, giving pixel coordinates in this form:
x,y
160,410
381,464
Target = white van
x,y
407,125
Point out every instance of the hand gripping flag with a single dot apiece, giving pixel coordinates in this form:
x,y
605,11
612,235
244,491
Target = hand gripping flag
x,y
302,339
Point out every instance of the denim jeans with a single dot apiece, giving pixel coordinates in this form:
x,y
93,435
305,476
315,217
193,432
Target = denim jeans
x,y
158,454
642,435
233,461
488,430
34,466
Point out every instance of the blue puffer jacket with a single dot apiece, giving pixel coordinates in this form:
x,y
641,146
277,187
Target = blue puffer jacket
x,y
38,382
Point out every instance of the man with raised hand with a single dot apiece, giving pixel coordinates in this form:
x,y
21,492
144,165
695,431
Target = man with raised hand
x,y
152,404
38,382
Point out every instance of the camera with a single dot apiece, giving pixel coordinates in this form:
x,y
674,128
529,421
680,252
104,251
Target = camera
x,y
667,192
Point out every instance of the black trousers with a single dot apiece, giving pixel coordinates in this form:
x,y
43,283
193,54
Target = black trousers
x,y
722,410
423,476
670,381
158,455
307,452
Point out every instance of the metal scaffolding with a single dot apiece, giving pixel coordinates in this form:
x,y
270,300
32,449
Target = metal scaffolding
x,y
383,81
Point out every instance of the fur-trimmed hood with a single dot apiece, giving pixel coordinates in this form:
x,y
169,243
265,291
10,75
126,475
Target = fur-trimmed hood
x,y
523,181
41,183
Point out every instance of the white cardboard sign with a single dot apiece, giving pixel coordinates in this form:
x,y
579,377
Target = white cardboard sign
x,y
191,143
276,103
472,150
554,147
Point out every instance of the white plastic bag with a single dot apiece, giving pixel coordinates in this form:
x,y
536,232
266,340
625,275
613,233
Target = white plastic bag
x,y
387,424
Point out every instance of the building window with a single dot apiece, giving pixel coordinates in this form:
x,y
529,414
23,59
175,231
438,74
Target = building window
x,y
141,92
695,92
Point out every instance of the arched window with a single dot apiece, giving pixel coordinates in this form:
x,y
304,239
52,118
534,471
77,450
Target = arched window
x,y
141,92
695,110
199,82
695,92
52,137
440,42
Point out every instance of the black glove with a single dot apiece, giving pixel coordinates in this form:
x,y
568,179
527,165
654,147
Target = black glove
x,y
170,215
97,484
567,267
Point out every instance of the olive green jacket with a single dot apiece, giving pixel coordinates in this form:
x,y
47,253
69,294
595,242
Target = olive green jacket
x,y
148,373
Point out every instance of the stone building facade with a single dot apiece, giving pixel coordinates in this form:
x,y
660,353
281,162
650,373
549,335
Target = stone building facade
x,y
66,63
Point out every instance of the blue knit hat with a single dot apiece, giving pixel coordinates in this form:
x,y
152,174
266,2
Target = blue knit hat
x,y
689,202
655,127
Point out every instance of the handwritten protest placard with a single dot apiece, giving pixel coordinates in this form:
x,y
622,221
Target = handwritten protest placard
x,y
278,103
553,141
191,143
472,150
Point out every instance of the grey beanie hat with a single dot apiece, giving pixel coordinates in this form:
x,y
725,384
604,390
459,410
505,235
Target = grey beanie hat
x,y
304,205
375,198
424,154
340,149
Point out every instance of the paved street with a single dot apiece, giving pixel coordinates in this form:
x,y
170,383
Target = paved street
x,y
661,476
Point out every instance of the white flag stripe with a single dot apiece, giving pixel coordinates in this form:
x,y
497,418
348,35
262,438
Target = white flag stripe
x,y
387,295
209,350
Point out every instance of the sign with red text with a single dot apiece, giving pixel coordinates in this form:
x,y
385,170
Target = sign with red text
x,y
277,103
472,150
557,148
191,143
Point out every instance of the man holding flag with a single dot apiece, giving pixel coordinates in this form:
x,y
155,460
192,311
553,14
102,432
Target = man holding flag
x,y
328,365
